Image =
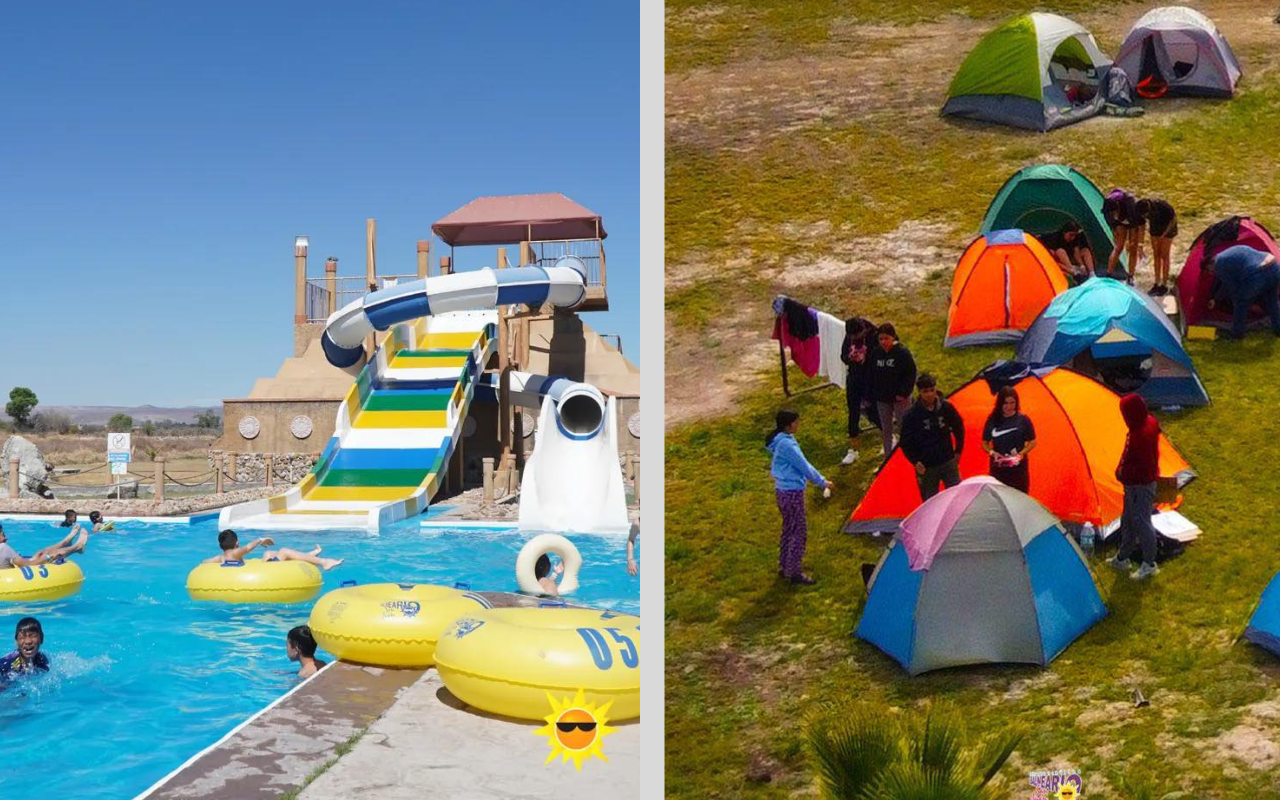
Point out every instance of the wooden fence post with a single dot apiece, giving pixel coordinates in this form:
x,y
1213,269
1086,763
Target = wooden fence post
x,y
232,472
159,487
488,481
217,475
13,478
270,465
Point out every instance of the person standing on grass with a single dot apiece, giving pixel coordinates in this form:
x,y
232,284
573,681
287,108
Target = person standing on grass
x,y
1138,470
1007,437
791,472
1120,209
932,438
1162,224
893,373
1247,276
853,352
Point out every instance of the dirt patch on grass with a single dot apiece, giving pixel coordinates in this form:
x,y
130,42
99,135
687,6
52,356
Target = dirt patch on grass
x,y
1250,745
706,369
901,259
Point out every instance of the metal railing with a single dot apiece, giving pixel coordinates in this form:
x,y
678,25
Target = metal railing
x,y
617,340
321,300
591,251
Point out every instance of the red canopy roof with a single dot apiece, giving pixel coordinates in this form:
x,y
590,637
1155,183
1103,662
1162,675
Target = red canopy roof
x,y
511,219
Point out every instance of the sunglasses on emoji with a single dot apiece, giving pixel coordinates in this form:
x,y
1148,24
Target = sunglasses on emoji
x,y
566,727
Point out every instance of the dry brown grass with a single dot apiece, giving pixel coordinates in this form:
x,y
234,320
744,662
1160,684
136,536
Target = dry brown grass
x,y
185,456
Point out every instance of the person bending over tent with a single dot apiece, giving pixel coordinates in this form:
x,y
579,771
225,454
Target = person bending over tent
x,y
1120,210
1007,437
893,372
1247,276
853,352
1162,224
1070,248
932,438
1137,471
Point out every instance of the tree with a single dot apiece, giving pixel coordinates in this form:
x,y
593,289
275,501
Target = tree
x,y
208,419
21,401
149,429
120,423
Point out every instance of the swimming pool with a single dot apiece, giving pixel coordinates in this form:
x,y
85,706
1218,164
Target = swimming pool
x,y
143,678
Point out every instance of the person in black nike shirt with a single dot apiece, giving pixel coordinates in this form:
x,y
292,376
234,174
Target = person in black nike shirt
x,y
1007,437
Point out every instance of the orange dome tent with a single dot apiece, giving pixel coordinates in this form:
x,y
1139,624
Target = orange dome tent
x,y
1079,433
1002,283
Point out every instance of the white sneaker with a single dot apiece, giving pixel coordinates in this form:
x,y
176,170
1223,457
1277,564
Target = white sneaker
x,y
849,457
1122,564
1145,571
895,441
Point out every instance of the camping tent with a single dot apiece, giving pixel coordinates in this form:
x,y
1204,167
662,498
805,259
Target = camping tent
x,y
1079,433
980,574
1003,281
1176,50
1036,71
1042,198
1264,625
1105,329
1196,287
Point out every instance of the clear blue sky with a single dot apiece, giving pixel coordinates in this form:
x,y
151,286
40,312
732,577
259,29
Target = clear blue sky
x,y
158,159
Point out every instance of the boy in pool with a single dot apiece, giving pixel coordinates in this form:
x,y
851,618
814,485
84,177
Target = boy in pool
x,y
542,571
99,524
233,552
300,646
27,658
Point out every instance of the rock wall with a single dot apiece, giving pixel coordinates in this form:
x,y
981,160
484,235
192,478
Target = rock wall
x,y
252,467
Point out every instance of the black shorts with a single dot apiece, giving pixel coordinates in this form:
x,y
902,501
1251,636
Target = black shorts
x,y
1169,230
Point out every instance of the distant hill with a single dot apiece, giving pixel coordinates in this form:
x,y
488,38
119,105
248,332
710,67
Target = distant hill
x,y
98,415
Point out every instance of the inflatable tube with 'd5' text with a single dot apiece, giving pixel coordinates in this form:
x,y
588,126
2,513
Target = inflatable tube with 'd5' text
x,y
506,660
45,582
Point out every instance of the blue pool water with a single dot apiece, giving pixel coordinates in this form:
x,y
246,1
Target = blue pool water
x,y
143,677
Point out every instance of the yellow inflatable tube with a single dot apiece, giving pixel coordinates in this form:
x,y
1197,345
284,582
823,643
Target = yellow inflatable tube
x,y
255,581
45,582
388,624
506,660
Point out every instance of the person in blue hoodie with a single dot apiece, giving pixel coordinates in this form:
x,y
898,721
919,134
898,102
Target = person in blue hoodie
x,y
791,473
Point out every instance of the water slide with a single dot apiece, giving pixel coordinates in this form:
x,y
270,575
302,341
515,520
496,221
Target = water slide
x,y
398,425
578,437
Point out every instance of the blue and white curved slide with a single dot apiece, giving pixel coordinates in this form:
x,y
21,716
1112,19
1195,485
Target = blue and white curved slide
x,y
562,285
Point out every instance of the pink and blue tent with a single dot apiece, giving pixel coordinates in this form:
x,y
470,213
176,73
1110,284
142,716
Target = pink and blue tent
x,y
979,574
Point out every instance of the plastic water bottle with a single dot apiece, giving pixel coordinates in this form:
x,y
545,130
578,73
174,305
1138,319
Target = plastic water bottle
x,y
1087,534
826,492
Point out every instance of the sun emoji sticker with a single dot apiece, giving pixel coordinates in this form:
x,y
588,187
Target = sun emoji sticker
x,y
575,729
1067,792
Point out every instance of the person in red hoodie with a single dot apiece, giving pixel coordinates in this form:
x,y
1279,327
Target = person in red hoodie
x,y
1139,467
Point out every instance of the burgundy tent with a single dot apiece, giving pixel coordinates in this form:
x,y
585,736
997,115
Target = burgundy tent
x,y
1196,288
511,219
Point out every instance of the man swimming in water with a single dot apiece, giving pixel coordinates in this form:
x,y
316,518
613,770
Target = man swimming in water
x,y
232,552
25,660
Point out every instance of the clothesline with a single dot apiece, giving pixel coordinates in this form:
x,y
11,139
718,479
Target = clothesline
x,y
814,338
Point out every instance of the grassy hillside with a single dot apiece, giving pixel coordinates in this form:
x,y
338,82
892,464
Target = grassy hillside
x,y
805,155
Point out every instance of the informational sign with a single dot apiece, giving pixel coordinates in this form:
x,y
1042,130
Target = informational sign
x,y
119,443
119,468
118,458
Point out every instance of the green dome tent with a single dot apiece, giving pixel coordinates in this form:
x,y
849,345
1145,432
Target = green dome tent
x,y
1038,71
1040,199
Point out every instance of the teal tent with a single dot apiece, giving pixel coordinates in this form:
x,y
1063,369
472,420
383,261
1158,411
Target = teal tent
x,y
1041,199
1037,71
